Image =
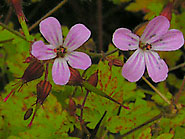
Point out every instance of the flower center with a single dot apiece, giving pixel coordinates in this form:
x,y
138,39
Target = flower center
x,y
61,51
145,46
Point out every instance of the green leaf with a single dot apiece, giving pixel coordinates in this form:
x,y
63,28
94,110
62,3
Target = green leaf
x,y
144,5
113,84
165,136
155,9
145,134
174,81
179,132
16,51
50,121
119,1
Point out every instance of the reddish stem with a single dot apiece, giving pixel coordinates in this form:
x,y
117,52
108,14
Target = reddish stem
x,y
37,106
6,98
46,72
82,107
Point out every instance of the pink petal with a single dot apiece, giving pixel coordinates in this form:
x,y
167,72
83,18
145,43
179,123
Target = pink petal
x,y
125,40
170,41
79,60
60,71
155,28
157,68
134,68
77,35
51,30
42,51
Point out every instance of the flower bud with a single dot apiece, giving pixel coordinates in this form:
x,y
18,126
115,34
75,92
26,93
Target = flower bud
x,y
167,11
93,79
28,113
43,90
34,114
75,78
72,106
116,62
33,71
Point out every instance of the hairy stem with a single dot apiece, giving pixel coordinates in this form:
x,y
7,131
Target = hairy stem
x,y
178,66
12,31
48,14
24,28
157,91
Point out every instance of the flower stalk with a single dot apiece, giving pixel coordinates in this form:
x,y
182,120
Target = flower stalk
x,y
17,4
99,55
48,14
25,29
157,91
36,108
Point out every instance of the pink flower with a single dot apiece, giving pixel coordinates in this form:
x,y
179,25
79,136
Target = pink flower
x,y
62,52
156,37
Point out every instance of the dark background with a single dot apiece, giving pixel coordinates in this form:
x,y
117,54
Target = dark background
x,y
79,11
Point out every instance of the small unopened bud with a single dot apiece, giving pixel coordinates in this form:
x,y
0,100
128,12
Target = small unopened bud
x,y
167,11
93,79
43,90
33,71
28,113
75,78
115,62
72,107
34,114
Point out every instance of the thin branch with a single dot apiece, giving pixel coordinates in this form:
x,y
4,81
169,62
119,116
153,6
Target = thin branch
x,y
5,41
99,55
140,126
178,66
111,52
82,106
177,96
157,91
48,14
12,31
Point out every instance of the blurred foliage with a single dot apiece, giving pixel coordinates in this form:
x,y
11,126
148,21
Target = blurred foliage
x,y
53,119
